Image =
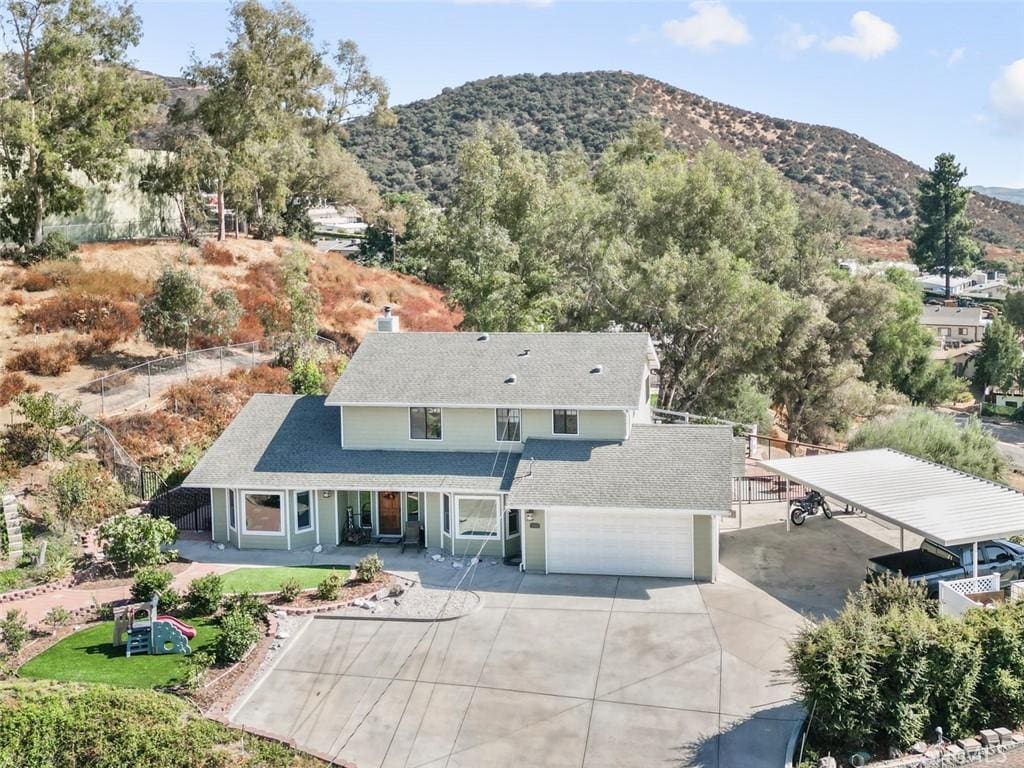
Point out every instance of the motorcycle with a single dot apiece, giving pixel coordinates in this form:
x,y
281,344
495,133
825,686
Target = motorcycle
x,y
808,506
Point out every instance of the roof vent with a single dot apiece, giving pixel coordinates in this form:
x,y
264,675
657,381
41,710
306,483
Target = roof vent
x,y
597,369
483,337
388,321
525,352
511,379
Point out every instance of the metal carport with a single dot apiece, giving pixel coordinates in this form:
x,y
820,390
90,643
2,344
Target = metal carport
x,y
934,501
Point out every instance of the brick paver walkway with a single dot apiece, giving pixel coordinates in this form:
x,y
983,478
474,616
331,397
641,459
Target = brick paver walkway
x,y
35,608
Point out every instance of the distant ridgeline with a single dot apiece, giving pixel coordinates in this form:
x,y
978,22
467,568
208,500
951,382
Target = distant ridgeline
x,y
591,109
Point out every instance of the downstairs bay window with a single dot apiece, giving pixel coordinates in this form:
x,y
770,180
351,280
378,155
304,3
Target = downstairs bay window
x,y
477,517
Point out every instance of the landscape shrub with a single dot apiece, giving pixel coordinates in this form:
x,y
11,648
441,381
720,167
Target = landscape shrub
x,y
83,493
290,589
13,631
34,282
887,670
13,299
238,633
135,541
22,446
330,586
13,384
216,254
58,616
111,284
306,378
369,567
197,666
251,605
54,247
64,725
52,360
58,567
1000,411
150,581
84,313
205,595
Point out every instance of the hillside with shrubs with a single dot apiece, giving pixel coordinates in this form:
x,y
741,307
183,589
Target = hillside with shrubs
x,y
589,110
65,322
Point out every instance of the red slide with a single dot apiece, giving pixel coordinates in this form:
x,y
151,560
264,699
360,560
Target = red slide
x,y
185,629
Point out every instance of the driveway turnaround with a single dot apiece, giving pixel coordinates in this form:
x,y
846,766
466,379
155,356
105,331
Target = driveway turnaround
x,y
591,671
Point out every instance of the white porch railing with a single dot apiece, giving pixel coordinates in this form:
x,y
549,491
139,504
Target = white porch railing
x,y
954,597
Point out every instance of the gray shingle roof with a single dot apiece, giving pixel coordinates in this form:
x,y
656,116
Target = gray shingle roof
x,y
474,369
285,441
965,316
684,467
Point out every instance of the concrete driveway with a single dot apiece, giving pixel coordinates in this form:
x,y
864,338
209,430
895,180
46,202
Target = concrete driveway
x,y
549,671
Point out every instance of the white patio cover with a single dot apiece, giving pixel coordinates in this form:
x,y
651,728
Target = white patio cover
x,y
942,504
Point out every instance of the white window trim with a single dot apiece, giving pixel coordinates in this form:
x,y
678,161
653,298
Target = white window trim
x,y
576,433
497,435
232,499
283,530
499,511
312,512
509,535
426,439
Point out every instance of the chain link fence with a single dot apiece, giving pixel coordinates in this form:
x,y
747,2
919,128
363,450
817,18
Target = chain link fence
x,y
142,384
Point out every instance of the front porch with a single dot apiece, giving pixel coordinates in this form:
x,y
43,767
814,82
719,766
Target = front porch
x,y
456,524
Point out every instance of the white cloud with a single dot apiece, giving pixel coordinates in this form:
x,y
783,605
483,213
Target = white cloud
x,y
871,37
710,26
956,56
795,38
642,35
1007,96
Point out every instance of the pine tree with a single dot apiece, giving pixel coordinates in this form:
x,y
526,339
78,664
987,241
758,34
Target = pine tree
x,y
941,238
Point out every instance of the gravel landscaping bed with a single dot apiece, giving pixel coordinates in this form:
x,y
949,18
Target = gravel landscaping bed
x,y
416,602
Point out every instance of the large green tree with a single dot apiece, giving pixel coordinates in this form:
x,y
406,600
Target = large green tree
x,y
276,109
68,103
901,348
941,238
1000,358
936,437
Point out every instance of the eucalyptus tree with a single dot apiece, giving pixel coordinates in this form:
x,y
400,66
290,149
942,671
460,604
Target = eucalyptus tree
x,y
69,101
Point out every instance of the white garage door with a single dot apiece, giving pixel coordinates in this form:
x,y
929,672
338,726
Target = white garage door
x,y
620,543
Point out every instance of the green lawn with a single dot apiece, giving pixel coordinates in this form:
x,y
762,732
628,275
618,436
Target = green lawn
x,y
269,579
88,657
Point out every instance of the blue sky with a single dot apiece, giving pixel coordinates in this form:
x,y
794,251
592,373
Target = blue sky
x,y
918,78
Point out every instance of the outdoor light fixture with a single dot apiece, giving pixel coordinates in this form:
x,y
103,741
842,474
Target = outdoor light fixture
x,y
529,517
325,494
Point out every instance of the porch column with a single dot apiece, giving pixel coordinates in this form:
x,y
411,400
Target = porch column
x,y
974,558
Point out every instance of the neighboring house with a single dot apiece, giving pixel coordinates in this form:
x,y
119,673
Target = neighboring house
x,y
962,325
979,284
1012,398
530,446
960,356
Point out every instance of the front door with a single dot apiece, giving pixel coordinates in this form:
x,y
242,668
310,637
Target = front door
x,y
389,513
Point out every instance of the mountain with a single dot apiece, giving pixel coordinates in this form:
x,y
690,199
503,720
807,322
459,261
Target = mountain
x,y
591,109
1009,194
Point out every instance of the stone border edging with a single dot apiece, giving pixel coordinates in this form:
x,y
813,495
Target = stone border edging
x,y
290,743
40,589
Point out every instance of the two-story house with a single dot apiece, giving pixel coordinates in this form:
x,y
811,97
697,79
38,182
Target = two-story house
x,y
536,447
963,325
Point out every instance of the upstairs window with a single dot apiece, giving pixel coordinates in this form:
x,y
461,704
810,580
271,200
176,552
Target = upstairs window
x,y
425,423
565,422
508,424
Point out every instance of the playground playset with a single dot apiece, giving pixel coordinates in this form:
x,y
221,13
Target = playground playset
x,y
140,629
